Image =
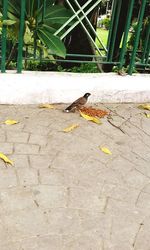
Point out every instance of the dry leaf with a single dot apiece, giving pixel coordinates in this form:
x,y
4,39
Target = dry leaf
x,y
144,106
90,118
106,150
5,159
47,106
94,112
70,128
10,122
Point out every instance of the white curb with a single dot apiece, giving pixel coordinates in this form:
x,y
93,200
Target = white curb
x,y
54,87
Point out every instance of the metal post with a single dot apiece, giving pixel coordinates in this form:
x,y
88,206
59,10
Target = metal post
x,y
21,37
114,6
4,38
126,32
137,36
113,38
43,15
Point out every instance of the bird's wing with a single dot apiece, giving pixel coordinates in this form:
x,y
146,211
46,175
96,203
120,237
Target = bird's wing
x,y
78,102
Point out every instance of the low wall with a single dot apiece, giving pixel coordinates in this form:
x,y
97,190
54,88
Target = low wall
x,y
54,87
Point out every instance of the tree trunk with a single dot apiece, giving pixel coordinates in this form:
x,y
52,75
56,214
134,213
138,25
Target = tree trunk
x,y
12,54
77,41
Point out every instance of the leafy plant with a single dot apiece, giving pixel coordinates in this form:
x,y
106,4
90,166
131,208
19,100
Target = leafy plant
x,y
40,66
106,23
144,29
41,23
84,68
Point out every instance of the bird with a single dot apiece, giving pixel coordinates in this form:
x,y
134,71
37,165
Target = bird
x,y
77,104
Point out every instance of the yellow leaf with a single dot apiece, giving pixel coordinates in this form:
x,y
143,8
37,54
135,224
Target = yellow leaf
x,y
90,118
106,150
147,115
70,128
5,159
144,106
10,122
47,106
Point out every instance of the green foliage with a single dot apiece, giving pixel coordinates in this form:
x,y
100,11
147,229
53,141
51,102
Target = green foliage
x,y
49,66
41,23
84,68
145,27
103,34
106,23
40,66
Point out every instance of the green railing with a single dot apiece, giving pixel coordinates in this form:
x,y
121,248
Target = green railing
x,y
115,53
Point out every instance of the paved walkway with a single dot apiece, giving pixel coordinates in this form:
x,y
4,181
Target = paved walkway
x,y
64,193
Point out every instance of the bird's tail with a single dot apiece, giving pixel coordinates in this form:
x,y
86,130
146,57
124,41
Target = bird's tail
x,y
68,109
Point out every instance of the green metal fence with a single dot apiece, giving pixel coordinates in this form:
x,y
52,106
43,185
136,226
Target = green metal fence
x,y
115,53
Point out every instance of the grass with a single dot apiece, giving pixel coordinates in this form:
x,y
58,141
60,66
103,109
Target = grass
x,y
103,35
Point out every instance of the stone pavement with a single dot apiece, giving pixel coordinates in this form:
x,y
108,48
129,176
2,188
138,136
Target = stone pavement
x,y
64,193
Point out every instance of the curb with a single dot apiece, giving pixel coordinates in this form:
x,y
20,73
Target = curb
x,y
53,87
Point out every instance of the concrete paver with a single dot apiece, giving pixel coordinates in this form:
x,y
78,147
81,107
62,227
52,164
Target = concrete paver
x,y
63,192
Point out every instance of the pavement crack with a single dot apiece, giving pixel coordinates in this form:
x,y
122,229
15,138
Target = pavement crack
x,y
39,149
129,121
134,125
136,236
141,139
68,197
142,173
125,158
28,137
53,159
36,203
141,191
39,176
105,206
29,162
139,156
111,228
117,127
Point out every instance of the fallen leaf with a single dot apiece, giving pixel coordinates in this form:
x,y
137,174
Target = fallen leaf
x,y
106,150
6,159
10,122
70,128
47,106
122,73
90,118
144,106
147,115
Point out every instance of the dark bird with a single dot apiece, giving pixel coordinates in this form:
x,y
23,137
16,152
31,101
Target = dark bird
x,y
78,103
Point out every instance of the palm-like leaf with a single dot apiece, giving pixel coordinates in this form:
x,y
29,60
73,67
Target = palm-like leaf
x,y
55,14
53,43
43,26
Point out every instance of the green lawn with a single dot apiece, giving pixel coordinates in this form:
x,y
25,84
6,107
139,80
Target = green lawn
x,y
103,35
